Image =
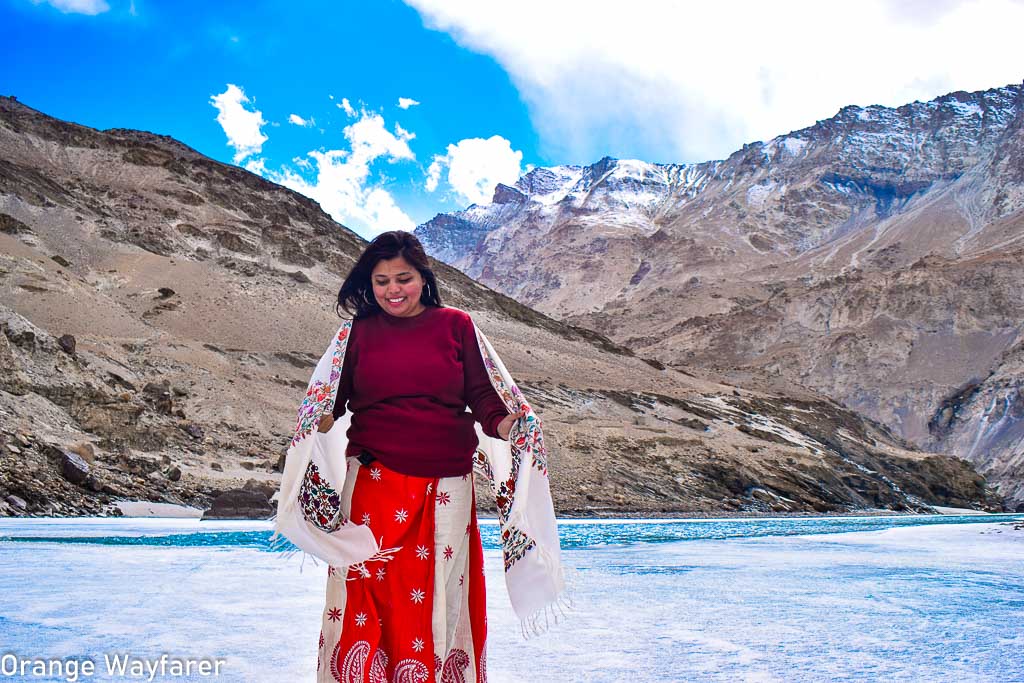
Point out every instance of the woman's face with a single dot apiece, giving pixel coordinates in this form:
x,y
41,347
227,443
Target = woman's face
x,y
397,286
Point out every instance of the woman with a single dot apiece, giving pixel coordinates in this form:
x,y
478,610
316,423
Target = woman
x,y
397,521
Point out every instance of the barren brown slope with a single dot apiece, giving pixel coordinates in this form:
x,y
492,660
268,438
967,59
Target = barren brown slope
x,y
197,297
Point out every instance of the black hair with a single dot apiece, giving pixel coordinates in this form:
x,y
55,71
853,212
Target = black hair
x,y
356,294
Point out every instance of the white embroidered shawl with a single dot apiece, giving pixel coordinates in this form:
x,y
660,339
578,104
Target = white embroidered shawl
x,y
309,503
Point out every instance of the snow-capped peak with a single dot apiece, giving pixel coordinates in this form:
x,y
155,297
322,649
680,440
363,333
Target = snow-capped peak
x,y
549,185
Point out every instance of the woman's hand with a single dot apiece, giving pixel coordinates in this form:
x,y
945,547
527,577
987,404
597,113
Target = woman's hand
x,y
326,422
505,426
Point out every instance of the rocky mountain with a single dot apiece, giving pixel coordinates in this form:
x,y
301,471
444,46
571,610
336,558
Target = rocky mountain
x,y
874,257
160,314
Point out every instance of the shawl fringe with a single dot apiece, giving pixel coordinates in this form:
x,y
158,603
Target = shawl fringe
x,y
538,623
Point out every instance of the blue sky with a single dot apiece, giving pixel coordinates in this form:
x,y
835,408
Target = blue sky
x,y
308,93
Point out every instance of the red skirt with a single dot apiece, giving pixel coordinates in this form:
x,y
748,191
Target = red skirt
x,y
417,612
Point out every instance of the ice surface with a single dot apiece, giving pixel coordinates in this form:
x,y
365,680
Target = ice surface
x,y
942,602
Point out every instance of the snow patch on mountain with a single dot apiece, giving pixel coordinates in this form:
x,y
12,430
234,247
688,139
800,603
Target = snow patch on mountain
x,y
757,195
548,186
794,146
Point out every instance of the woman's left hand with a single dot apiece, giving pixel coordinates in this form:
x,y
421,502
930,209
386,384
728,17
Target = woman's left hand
x,y
505,426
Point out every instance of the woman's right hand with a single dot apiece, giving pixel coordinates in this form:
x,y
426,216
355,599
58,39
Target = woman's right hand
x,y
505,426
326,422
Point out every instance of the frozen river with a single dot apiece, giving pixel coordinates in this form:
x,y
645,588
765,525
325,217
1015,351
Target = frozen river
x,y
809,599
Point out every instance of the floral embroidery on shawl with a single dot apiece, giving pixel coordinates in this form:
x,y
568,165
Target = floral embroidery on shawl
x,y
320,394
321,504
528,437
319,501
525,440
514,543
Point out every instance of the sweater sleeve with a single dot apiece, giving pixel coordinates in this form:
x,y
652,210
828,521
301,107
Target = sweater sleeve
x,y
488,408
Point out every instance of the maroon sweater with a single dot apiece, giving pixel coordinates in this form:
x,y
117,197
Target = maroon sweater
x,y
407,382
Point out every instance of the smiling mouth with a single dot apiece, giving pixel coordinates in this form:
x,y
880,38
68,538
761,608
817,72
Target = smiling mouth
x,y
396,301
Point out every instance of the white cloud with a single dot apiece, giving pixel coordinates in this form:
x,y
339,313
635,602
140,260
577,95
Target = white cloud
x,y
91,7
694,81
257,166
299,121
434,173
370,139
347,106
341,179
406,102
241,125
403,133
475,166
